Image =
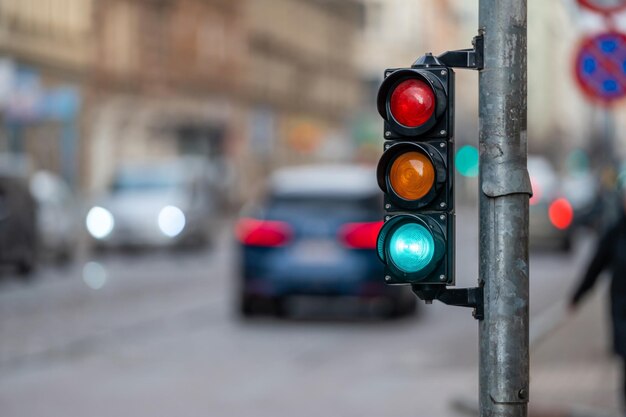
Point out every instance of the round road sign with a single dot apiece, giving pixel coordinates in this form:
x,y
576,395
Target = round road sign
x,y
604,6
601,67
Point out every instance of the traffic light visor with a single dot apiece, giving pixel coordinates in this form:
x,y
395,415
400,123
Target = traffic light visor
x,y
411,247
412,102
412,175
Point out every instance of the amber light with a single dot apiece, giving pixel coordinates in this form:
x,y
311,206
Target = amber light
x,y
412,103
412,175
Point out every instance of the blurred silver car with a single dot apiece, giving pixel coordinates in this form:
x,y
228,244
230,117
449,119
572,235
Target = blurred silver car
x,y
551,213
156,204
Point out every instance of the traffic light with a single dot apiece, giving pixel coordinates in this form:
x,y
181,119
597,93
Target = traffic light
x,y
415,173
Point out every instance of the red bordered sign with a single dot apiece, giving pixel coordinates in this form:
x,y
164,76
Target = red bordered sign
x,y
600,67
604,6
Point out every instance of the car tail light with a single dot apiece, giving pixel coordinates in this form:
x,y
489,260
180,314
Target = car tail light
x,y
360,235
561,213
266,233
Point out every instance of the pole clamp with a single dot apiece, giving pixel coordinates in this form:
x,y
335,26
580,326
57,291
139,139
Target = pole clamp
x,y
473,58
460,297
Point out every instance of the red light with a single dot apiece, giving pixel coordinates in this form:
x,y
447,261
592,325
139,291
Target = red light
x,y
360,235
561,213
412,103
265,233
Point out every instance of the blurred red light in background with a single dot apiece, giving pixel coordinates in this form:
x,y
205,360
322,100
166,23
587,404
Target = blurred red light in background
x,y
360,235
265,233
561,213
412,103
536,193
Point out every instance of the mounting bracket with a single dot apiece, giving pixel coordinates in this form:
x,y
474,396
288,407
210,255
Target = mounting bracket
x,y
466,58
461,297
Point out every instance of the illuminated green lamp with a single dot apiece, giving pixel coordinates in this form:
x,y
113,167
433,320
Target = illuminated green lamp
x,y
411,246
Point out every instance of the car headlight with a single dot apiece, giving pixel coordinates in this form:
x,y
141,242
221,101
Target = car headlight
x,y
171,221
99,222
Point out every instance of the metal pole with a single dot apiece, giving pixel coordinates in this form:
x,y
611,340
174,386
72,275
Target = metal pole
x,y
608,138
504,193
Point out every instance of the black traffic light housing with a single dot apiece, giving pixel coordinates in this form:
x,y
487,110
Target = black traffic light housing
x,y
430,142
434,140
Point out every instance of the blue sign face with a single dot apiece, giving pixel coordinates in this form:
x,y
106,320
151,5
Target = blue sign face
x,y
601,66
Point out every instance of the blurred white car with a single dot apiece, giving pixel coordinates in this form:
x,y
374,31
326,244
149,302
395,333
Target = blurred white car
x,y
56,215
551,213
156,204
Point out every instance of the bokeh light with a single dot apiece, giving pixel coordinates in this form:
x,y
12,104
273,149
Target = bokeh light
x,y
467,161
94,275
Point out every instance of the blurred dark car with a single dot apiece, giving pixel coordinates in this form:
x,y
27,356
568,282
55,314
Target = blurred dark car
x,y
57,215
159,204
551,213
315,236
18,235
582,190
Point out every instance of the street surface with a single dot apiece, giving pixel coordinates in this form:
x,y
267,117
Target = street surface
x,y
155,334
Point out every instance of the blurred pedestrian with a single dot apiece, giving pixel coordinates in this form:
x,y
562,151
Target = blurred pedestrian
x,y
611,254
609,200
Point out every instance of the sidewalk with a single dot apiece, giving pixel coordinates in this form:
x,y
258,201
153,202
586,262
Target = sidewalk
x,y
572,371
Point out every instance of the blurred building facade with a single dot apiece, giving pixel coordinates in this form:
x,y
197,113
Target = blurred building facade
x,y
249,84
45,57
88,84
166,81
301,76
399,31
228,80
560,117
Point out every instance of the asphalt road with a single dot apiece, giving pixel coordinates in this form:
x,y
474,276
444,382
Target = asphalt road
x,y
155,334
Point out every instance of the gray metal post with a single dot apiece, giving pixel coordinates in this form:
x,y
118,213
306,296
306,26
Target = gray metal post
x,y
505,189
608,138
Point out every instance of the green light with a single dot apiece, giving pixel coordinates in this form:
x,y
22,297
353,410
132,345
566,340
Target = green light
x,y
411,247
577,162
467,161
